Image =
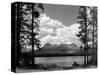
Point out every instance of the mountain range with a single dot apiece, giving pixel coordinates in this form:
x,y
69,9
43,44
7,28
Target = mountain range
x,y
64,46
57,49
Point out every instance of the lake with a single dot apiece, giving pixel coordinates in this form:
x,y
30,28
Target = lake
x,y
62,61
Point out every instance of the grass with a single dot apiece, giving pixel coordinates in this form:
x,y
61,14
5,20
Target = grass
x,y
51,67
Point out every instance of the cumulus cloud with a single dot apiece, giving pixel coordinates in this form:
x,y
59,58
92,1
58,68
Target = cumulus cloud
x,y
46,31
54,32
47,22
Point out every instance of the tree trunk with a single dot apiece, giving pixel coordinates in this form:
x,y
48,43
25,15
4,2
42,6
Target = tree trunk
x,y
86,41
32,35
93,35
18,10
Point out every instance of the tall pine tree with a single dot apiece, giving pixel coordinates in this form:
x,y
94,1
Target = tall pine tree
x,y
93,25
82,20
28,29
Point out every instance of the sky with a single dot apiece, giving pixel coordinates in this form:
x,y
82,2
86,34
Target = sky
x,y
58,25
67,14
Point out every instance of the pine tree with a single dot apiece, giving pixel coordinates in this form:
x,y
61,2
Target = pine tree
x,y
87,18
93,24
82,20
29,28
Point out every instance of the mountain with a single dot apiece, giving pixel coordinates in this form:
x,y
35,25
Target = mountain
x,y
72,46
57,49
61,46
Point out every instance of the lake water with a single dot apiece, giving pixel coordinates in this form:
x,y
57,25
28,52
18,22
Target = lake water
x,y
62,61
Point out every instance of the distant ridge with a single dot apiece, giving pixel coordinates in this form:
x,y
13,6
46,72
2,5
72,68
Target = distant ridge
x,y
71,46
58,49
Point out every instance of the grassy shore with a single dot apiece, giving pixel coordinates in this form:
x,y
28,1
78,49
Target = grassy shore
x,y
51,67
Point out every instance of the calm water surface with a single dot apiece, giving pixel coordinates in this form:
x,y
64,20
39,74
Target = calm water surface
x,y
63,61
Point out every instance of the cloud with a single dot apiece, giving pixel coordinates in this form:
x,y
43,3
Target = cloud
x,y
46,31
54,32
47,22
